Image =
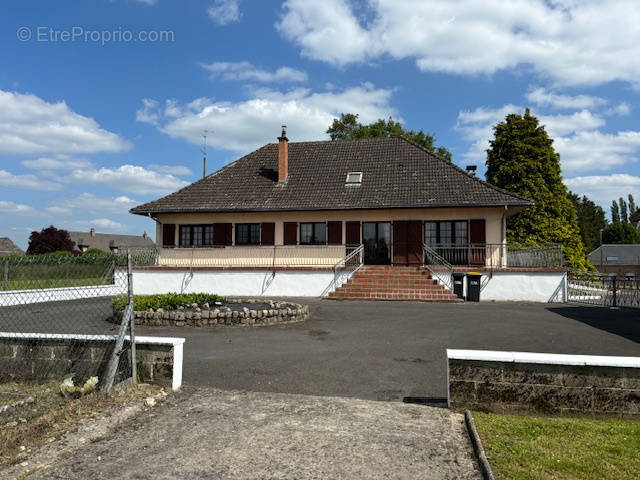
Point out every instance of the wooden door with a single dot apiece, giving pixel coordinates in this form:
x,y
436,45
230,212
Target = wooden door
x,y
478,240
415,254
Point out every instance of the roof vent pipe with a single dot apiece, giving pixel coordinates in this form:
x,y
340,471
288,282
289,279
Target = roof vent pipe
x,y
283,156
471,170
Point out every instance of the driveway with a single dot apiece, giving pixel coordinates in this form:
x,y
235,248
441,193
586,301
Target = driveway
x,y
390,350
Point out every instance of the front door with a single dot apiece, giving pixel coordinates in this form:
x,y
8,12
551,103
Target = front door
x,y
407,242
376,237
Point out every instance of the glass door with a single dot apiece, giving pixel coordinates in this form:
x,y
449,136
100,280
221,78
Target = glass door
x,y
376,237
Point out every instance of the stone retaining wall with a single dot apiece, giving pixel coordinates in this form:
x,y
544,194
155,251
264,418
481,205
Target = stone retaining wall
x,y
279,312
40,356
503,386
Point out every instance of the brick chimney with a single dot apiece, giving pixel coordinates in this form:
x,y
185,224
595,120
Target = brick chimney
x,y
283,156
92,232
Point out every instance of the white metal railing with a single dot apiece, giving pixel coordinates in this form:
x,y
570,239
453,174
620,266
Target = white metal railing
x,y
488,255
348,265
438,266
278,256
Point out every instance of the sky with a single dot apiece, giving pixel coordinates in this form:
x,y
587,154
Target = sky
x,y
103,103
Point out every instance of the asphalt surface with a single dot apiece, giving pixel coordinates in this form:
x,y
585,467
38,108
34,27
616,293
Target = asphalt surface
x,y
390,350
368,350
206,433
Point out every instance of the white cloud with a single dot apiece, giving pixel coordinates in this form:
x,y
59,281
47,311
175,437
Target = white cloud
x,y
604,188
106,224
30,125
248,71
31,182
177,170
545,98
245,125
577,138
129,178
13,208
224,12
622,110
147,2
572,42
61,162
88,202
148,112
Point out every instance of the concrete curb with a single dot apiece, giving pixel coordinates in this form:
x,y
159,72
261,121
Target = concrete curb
x,y
485,467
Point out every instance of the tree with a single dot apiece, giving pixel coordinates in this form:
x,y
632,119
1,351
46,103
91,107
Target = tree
x,y
521,159
619,232
49,240
591,219
632,209
615,212
624,215
347,127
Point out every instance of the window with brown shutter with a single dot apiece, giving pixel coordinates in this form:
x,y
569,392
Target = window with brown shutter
x,y
290,233
334,233
267,233
168,235
353,233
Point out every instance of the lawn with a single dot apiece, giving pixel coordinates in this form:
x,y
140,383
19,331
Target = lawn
x,y
544,448
36,276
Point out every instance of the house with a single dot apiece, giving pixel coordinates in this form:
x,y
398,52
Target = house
x,y
109,242
621,260
7,247
306,206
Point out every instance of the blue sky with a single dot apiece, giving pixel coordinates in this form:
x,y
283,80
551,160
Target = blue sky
x,y
103,103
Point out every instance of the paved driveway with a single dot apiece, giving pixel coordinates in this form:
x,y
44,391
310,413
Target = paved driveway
x,y
390,350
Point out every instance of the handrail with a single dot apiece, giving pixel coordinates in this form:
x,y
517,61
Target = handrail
x,y
434,259
358,251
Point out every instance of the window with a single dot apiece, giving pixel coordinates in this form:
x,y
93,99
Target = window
x,y
354,178
313,233
446,233
196,236
248,234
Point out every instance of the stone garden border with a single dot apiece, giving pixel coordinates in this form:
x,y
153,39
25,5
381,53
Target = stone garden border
x,y
214,315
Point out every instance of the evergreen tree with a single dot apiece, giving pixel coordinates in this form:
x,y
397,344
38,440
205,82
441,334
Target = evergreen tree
x,y
624,216
632,209
347,127
615,212
591,219
521,159
619,232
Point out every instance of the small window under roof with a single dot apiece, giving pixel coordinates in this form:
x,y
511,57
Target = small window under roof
x,y
354,178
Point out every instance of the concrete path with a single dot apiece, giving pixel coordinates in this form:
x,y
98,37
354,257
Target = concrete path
x,y
207,433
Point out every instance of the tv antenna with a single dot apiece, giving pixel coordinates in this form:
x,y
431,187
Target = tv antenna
x,y
204,153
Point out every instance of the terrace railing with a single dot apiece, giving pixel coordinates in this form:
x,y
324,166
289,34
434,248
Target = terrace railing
x,y
491,256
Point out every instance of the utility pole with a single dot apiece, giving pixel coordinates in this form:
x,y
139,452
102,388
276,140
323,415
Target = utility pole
x,y
601,248
204,153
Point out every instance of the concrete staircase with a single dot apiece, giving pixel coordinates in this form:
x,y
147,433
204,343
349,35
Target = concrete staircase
x,y
393,283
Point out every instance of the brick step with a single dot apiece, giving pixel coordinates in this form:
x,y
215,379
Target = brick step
x,y
398,297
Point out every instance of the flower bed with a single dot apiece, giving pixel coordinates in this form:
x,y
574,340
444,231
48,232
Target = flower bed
x,y
221,312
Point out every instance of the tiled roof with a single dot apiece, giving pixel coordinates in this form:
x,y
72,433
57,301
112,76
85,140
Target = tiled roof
x,y
616,254
7,247
396,174
104,241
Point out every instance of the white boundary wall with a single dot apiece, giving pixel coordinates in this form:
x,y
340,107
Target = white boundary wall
x,y
293,283
502,286
24,297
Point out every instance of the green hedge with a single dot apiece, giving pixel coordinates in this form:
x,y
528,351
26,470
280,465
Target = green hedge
x,y
166,301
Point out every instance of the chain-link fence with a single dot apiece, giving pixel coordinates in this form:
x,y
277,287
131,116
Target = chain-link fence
x,y
56,316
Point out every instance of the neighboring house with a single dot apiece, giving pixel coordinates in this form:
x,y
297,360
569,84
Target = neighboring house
x,y
109,242
300,218
7,247
621,260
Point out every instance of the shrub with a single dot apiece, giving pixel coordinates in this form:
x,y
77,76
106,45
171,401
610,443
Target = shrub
x,y
166,301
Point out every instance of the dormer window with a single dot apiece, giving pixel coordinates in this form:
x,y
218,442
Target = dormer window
x,y
354,178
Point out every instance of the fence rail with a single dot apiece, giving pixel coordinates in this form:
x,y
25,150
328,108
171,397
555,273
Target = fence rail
x,y
603,290
488,255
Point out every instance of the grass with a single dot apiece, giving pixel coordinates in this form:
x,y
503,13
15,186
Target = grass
x,y
36,276
51,415
166,301
545,448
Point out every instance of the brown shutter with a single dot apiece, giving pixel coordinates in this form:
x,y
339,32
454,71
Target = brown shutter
x,y
221,234
353,233
228,234
477,231
415,238
400,229
334,233
168,235
290,233
267,233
